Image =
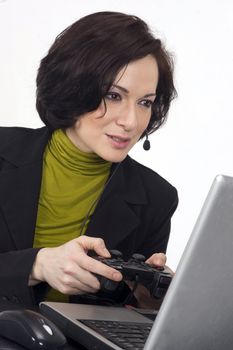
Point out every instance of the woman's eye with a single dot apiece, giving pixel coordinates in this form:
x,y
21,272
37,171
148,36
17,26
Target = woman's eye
x,y
113,96
146,103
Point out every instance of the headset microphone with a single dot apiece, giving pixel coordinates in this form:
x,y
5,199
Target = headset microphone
x,y
146,143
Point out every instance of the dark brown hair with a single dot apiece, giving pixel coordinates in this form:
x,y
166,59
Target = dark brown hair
x,y
84,60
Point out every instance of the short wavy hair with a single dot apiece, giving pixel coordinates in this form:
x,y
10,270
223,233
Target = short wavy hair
x,y
81,65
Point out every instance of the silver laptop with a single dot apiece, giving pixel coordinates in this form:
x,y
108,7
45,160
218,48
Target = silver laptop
x,y
197,312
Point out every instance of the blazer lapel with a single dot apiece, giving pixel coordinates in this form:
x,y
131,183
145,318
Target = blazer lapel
x,y
114,217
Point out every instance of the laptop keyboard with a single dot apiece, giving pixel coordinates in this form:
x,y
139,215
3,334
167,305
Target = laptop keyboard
x,y
127,335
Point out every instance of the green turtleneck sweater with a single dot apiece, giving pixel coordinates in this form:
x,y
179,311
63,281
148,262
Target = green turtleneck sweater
x,y
72,182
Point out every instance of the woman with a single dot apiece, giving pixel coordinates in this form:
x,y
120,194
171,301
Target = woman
x,y
70,188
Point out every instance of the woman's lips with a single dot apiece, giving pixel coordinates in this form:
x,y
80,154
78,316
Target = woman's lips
x,y
119,142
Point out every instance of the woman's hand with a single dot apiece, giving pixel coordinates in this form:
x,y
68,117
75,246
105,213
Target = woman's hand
x,y
69,269
157,259
141,293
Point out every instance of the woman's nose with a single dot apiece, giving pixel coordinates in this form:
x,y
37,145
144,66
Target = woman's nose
x,y
128,117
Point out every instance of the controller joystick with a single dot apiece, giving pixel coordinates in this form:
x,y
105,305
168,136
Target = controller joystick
x,y
138,257
115,254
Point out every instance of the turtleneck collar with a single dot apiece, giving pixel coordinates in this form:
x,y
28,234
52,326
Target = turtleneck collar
x,y
68,155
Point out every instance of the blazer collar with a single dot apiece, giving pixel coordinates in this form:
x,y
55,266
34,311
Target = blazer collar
x,y
21,146
113,218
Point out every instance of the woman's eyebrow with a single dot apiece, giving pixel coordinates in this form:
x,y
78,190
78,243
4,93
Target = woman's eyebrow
x,y
127,91
121,88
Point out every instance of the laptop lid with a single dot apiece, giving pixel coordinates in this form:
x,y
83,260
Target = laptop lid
x,y
197,312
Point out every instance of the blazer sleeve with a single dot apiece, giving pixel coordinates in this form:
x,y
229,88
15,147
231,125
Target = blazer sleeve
x,y
15,268
15,263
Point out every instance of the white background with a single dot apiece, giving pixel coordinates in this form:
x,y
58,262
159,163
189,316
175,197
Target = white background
x,y
197,141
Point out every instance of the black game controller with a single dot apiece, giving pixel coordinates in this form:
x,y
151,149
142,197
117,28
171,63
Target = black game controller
x,y
155,279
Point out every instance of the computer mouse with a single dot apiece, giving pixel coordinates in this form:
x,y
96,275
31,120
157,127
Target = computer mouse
x,y
31,330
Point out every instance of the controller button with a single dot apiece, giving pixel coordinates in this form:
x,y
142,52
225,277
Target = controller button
x,y
138,257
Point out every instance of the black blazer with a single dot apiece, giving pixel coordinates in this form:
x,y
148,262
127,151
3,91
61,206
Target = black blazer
x,y
132,215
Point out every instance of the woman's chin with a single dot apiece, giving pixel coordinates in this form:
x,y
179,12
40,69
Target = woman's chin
x,y
114,157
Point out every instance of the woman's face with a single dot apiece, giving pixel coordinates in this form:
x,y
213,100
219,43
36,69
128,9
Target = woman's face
x,y
128,110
